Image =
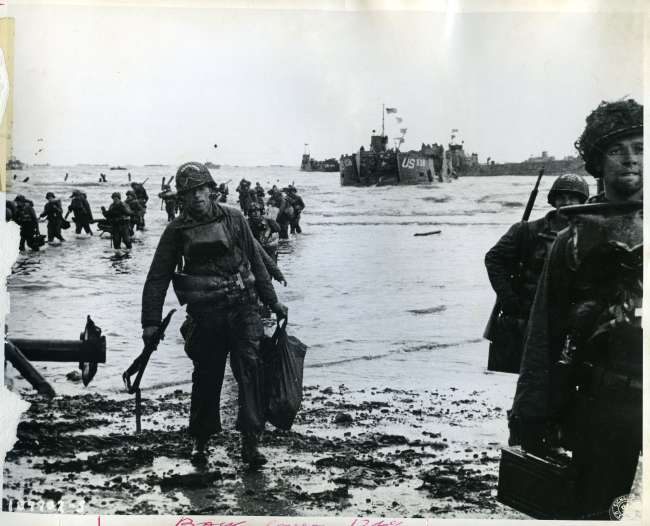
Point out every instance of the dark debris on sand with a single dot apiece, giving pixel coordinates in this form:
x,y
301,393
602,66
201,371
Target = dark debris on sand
x,y
84,448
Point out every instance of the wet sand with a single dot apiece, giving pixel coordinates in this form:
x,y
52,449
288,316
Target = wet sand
x,y
81,453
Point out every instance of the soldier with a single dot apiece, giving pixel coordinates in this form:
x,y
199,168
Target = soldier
x,y
222,276
265,230
83,215
119,216
25,217
259,195
10,210
244,191
143,197
581,372
285,210
514,265
298,206
54,213
170,206
137,211
223,192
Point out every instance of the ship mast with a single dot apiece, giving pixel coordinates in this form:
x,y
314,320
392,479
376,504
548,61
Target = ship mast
x,y
383,113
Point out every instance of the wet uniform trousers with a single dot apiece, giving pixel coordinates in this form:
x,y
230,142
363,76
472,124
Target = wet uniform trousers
x,y
121,234
298,206
54,214
28,222
119,216
82,215
170,208
236,331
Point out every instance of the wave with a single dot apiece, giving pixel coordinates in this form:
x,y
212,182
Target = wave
x,y
417,348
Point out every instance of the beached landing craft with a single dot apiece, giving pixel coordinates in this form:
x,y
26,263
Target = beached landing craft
x,y
308,164
14,164
382,166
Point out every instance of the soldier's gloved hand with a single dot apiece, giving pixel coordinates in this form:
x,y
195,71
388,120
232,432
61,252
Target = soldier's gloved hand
x,y
280,310
148,333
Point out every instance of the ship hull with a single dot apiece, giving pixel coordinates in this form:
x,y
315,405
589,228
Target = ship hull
x,y
348,170
526,168
387,169
415,168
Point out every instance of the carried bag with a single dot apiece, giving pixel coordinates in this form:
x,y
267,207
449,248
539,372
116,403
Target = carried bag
x,y
284,357
65,224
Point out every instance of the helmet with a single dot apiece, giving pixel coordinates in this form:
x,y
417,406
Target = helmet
x,y
49,194
570,183
116,194
193,175
20,198
608,121
130,192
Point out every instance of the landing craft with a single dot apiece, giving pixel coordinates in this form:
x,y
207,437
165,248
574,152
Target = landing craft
x,y
381,166
308,164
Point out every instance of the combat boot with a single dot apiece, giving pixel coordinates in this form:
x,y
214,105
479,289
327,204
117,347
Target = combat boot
x,y
249,452
199,453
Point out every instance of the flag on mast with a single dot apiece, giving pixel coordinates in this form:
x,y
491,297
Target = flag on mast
x,y
399,120
391,110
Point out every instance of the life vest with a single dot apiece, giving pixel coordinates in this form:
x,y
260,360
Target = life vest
x,y
215,269
22,216
605,253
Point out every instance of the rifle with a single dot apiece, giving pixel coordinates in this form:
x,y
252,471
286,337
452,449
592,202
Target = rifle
x,y
527,211
140,363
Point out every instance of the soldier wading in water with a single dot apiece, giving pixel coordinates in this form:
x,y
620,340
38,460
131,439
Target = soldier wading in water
x,y
580,384
220,279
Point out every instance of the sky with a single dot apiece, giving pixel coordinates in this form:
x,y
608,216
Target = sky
x,y
142,85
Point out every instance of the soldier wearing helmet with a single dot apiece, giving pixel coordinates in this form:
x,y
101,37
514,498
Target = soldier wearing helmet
x,y
211,257
83,214
514,265
581,371
25,216
54,213
119,217
136,219
298,206
142,197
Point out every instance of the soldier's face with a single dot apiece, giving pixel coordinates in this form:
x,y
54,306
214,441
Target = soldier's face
x,y
197,200
623,165
566,199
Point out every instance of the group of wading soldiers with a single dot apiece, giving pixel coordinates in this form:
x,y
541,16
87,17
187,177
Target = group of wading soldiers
x,y
121,217
569,289
287,201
